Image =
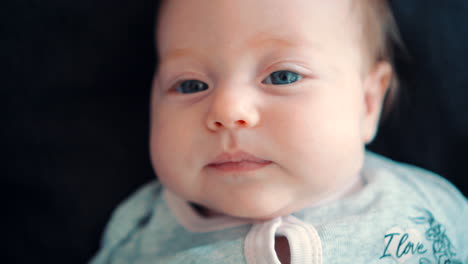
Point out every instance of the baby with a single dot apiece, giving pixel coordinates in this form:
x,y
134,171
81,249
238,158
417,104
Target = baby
x,y
261,110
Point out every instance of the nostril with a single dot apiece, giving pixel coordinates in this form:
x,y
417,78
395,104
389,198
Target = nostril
x,y
218,124
241,122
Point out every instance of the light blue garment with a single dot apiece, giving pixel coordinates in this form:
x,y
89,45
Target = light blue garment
x,y
403,214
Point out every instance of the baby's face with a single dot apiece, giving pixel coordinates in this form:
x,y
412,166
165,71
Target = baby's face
x,y
261,108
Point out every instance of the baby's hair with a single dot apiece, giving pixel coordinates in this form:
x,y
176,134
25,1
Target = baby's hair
x,y
381,38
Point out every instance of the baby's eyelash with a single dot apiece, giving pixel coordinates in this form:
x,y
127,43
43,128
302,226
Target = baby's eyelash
x,y
282,77
190,86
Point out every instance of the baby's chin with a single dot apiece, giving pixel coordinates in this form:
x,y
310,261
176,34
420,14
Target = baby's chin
x,y
253,210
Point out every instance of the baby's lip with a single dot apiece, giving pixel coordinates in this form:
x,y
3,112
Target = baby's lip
x,y
239,156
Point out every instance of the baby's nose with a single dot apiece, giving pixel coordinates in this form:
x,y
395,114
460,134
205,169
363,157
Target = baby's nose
x,y
215,125
232,111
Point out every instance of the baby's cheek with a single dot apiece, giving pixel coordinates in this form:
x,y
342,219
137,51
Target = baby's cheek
x,y
172,152
166,164
163,146
323,153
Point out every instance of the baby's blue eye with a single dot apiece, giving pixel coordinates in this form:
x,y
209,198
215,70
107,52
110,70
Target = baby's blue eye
x,y
282,77
191,86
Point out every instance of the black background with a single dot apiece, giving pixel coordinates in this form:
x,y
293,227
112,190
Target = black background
x,y
75,80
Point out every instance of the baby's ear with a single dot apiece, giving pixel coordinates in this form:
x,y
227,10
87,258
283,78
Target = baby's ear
x,y
375,87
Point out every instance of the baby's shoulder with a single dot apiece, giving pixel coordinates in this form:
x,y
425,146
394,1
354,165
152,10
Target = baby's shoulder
x,y
134,211
416,181
418,201
407,185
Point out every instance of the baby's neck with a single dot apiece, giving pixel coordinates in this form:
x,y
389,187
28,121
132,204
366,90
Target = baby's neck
x,y
354,186
204,211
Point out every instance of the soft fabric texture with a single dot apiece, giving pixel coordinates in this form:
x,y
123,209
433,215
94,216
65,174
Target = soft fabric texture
x,y
402,214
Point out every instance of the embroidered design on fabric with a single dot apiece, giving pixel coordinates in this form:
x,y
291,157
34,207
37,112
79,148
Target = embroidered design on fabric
x,y
403,245
442,249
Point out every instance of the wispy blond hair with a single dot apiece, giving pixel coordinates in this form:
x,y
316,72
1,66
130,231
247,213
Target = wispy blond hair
x,y
381,38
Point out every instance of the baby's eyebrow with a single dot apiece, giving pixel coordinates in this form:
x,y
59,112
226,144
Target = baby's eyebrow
x,y
177,53
263,39
258,42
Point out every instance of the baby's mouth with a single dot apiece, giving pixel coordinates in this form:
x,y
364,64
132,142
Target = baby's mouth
x,y
239,166
238,161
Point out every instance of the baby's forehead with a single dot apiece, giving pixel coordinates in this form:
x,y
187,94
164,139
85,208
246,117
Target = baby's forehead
x,y
187,24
